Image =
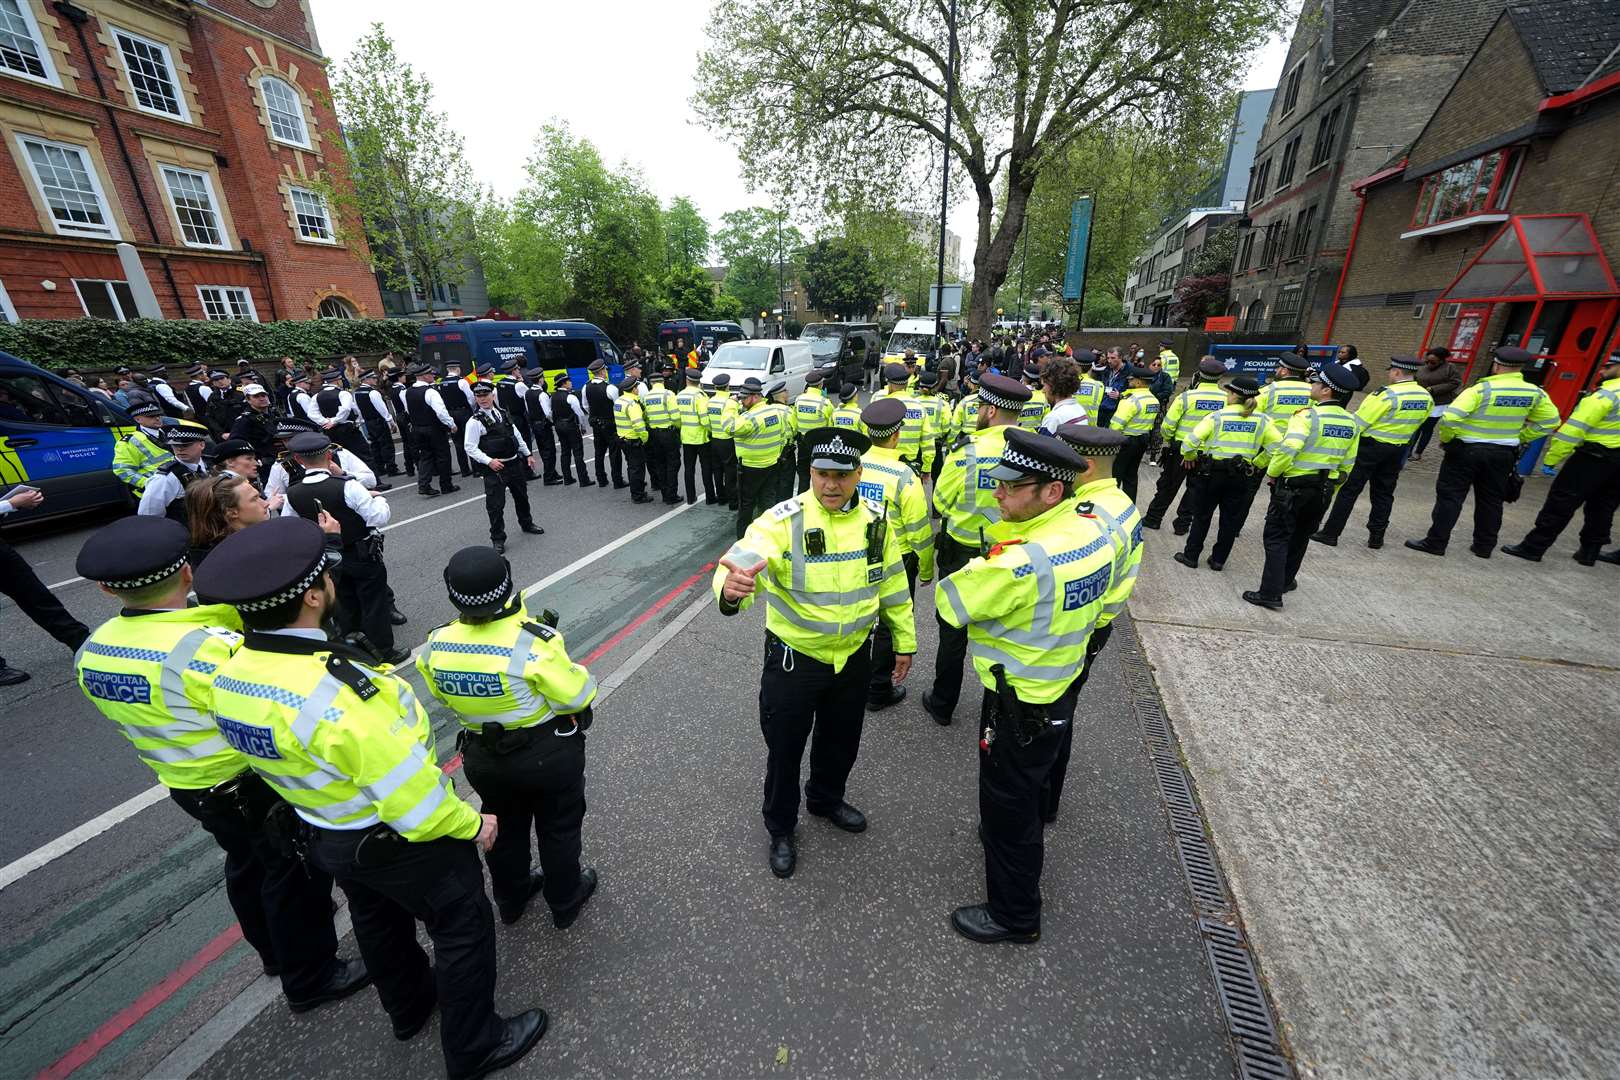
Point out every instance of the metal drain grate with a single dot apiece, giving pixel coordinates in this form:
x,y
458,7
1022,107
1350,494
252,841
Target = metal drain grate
x,y
1242,997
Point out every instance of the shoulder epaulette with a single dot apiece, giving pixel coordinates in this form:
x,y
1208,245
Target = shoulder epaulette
x,y
786,509
349,674
539,630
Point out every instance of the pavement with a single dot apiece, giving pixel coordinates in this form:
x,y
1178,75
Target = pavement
x,y
1409,776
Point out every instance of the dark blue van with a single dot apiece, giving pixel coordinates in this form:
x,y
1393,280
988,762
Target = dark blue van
x,y
58,437
563,344
673,331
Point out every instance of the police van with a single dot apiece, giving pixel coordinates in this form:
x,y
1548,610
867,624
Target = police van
x,y
918,336
555,346
58,437
680,336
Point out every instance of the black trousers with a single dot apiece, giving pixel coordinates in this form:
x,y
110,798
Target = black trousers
x,y
537,787
694,456
1478,467
513,478
1011,779
755,494
285,909
546,447
725,470
1587,478
365,601
1292,517
440,884
459,440
1378,464
1420,441
1052,790
382,450
1171,475
951,654
432,457
802,474
407,448
803,700
349,436
635,463
786,474
18,581
664,461
881,684
608,448
1128,461
571,447
1229,491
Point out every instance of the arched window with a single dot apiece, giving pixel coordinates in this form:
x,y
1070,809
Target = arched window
x,y
1257,314
335,307
286,111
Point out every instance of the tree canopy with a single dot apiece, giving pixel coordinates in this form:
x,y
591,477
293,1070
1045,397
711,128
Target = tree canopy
x,y
839,277
686,234
750,245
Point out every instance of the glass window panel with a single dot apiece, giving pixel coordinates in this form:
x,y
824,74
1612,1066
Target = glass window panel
x,y
64,180
1573,274
1493,279
98,301
149,74
310,211
286,111
194,207
1562,233
20,50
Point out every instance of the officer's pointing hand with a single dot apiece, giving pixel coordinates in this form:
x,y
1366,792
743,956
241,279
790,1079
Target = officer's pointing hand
x,y
739,580
486,832
902,667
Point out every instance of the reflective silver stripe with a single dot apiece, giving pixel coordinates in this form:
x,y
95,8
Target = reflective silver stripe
x,y
834,598
895,598
173,755
1040,619
1014,666
172,683
742,556
417,814
796,556
783,608
518,687
320,699
414,761
953,597
314,781
577,702
1577,425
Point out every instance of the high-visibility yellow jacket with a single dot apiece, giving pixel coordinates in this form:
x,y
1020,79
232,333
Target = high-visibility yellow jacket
x,y
1033,412
1188,408
723,413
811,410
512,671
1393,413
965,494
1323,438
1090,394
346,744
1170,363
1596,419
825,605
1231,433
137,457
1281,399
913,428
760,434
150,673
887,479
629,418
966,420
1137,408
1032,604
849,416
936,411
1115,512
1502,410
658,404
692,408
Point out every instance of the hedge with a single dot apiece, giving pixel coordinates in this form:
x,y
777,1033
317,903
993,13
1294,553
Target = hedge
x,y
96,344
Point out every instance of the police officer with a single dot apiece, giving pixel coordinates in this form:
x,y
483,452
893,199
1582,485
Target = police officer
x,y
140,454
543,429
885,478
257,424
351,749
898,380
663,441
373,412
821,605
697,452
786,471
287,471
1089,394
723,413
432,425
395,392
965,499
848,413
759,434
458,403
568,419
630,428
1169,362
1318,449
1286,394
1388,420
165,491
1029,605
364,602
196,391
935,411
1187,409
1586,452
1483,431
1220,456
148,670
600,396
333,408
158,386
1133,417
524,707
811,410
495,444
965,415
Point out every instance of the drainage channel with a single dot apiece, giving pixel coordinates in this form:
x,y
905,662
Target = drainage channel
x,y
1249,1018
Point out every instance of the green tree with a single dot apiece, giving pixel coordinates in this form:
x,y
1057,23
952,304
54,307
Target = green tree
x,y
408,183
523,267
838,277
687,293
750,242
902,247
815,91
686,234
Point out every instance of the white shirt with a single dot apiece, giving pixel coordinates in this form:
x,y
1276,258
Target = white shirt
x,y
163,489
378,403
166,392
276,482
475,431
436,403
1064,412
313,411
613,391
373,509
573,402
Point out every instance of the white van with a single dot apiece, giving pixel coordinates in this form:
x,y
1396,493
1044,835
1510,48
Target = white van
x,y
767,359
918,336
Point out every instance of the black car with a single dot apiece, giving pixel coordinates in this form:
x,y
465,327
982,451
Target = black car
x,y
844,346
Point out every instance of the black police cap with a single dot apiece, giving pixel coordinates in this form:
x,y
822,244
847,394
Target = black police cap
x,y
262,567
1091,441
1211,367
722,381
846,392
749,385
884,416
1244,385
1002,392
1030,454
1294,362
1139,371
308,442
134,552
1512,356
230,448
895,373
836,449
694,375
479,581
288,426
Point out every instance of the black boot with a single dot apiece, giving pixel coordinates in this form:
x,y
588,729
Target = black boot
x,y
1586,554
1520,551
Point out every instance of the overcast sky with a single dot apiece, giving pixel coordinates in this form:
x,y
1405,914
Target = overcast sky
x,y
620,72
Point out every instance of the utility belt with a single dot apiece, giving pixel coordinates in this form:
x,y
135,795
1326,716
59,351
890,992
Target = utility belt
x,y
501,740
367,549
1011,718
1599,451
1230,466
1309,482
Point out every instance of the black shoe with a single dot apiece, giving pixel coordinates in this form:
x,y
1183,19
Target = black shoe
x,y
711,502
1290,587
563,919
844,816
427,493
975,923
1375,540
393,656
1274,603
1181,557
499,546
784,856
942,717
511,911
618,485
1150,523
553,481
896,695
347,977
1586,555
587,483
1215,564
1324,538
466,472
10,676
409,1028
452,487
396,617
534,530
1180,530
1481,552
672,502
1426,547
270,967
521,1033
641,498
1610,557
383,487
571,480
1522,552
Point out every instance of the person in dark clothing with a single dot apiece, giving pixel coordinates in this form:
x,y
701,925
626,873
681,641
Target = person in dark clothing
x,y
431,428
542,431
496,445
458,403
599,398
257,425
395,393
373,410
568,420
1440,377
22,585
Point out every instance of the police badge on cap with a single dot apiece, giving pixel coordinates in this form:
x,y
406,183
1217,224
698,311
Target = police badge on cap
x,y
836,449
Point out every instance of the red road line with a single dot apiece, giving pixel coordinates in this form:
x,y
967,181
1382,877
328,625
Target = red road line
x,y
171,984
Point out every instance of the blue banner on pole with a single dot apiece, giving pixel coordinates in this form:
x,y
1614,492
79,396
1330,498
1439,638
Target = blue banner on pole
x,y
1074,267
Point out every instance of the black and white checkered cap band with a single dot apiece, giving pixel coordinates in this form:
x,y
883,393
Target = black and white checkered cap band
x,y
885,432
296,589
467,600
175,435
990,397
1016,460
146,579
837,448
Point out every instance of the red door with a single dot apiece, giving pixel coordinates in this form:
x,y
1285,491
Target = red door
x,y
1577,350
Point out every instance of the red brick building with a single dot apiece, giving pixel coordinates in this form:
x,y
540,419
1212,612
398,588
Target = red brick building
x,y
1500,222
189,130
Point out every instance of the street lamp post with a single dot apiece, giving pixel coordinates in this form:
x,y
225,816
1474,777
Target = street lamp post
x,y
945,179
